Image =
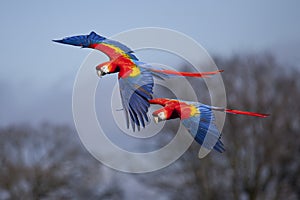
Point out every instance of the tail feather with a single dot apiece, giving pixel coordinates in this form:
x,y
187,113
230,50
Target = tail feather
x,y
187,74
239,112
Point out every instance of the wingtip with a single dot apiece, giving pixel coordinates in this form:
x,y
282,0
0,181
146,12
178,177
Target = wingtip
x,y
92,33
58,41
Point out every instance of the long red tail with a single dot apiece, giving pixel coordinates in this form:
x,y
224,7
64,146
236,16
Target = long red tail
x,y
239,112
189,74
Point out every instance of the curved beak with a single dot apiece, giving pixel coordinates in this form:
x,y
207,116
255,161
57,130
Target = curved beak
x,y
99,73
156,119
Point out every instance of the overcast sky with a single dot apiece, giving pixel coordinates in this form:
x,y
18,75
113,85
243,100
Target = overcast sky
x,y
37,75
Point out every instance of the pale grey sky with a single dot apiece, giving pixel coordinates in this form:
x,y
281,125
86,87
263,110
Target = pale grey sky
x,y
37,75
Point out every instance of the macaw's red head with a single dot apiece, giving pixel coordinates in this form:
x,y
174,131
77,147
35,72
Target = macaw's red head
x,y
163,114
106,68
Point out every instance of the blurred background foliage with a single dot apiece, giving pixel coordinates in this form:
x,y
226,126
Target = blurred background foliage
x,y
47,160
261,160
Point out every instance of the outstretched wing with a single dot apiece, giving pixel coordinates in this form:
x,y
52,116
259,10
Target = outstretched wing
x,y
201,125
113,49
135,93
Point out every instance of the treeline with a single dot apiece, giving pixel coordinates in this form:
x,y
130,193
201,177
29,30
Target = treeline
x,y
261,161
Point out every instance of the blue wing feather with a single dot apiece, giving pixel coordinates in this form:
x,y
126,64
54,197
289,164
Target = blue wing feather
x,y
93,38
204,130
82,40
135,93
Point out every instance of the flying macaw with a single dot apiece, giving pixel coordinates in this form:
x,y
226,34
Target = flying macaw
x,y
197,118
135,77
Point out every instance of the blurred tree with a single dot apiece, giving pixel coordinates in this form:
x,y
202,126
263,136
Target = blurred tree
x,y
49,162
262,158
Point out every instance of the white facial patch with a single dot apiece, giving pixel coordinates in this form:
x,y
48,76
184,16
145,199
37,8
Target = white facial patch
x,y
105,69
162,116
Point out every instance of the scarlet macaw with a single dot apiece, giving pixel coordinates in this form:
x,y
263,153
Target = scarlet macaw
x,y
135,77
197,118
